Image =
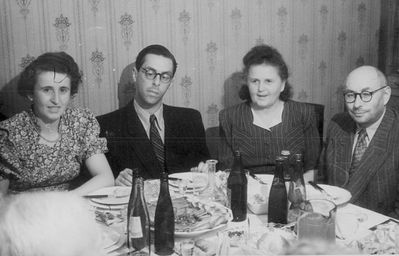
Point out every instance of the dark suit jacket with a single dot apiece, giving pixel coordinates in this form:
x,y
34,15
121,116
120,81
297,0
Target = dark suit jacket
x,y
374,184
129,146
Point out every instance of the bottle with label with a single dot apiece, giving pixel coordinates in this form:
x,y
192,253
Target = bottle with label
x,y
138,221
164,223
278,203
297,190
237,189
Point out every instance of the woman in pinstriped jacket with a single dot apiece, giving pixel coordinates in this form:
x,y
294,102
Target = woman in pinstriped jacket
x,y
268,121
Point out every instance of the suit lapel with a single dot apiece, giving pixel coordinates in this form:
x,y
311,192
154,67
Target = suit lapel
x,y
343,150
373,157
141,145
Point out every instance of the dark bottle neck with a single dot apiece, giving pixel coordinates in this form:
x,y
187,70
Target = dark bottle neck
x,y
279,170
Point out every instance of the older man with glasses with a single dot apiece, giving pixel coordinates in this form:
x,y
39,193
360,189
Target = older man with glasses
x,y
361,153
148,134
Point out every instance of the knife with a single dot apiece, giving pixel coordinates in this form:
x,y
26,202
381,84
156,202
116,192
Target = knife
x,y
313,184
96,196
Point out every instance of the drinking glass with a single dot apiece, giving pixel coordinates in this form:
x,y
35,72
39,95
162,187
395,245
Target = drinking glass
x,y
319,222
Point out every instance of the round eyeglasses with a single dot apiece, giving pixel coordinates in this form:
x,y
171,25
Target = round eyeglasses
x,y
151,74
365,96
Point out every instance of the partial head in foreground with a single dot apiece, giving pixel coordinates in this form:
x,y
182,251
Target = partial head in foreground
x,y
47,224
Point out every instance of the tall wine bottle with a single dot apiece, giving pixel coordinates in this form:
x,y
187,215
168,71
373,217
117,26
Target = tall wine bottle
x,y
278,203
138,221
237,189
164,223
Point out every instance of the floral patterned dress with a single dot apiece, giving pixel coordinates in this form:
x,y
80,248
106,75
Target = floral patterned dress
x,y
31,166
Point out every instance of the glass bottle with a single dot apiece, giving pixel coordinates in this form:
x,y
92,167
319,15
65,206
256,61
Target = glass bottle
x,y
164,223
278,203
138,221
237,189
288,169
297,190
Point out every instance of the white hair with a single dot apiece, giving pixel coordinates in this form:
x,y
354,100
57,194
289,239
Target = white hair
x,y
48,224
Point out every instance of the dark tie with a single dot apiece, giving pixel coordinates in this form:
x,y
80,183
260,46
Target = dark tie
x,y
360,148
156,141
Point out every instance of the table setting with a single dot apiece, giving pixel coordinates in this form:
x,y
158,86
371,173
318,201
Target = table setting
x,y
204,226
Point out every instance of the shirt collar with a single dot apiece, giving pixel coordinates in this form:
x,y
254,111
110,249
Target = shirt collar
x,y
144,115
371,130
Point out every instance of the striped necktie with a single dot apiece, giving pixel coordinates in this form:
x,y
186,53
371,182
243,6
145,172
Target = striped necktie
x,y
360,148
156,141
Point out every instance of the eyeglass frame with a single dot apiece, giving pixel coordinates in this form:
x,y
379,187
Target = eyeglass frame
x,y
145,72
360,95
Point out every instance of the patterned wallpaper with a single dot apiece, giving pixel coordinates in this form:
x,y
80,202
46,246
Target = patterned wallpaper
x,y
321,40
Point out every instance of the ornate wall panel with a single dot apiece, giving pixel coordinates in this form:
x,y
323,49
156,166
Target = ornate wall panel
x,y
321,40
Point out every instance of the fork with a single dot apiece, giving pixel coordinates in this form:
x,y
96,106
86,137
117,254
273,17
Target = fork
x,y
328,195
256,177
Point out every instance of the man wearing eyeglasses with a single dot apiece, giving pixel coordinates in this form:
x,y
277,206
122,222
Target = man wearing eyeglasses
x,y
148,134
362,144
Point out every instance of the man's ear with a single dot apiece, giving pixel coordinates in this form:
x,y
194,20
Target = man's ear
x,y
387,94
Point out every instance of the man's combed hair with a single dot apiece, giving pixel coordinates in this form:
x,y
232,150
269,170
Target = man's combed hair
x,y
155,49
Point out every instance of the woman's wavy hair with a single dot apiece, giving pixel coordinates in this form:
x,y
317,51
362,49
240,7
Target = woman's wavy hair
x,y
265,54
57,62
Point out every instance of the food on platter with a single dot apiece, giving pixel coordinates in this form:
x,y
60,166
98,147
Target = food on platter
x,y
108,217
275,240
381,240
194,215
272,242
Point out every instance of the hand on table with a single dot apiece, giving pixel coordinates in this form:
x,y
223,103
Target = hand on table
x,y
124,178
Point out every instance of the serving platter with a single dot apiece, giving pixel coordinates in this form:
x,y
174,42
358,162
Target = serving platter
x,y
206,216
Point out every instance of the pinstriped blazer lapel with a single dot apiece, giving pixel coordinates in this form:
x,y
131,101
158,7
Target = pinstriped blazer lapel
x,y
344,141
374,156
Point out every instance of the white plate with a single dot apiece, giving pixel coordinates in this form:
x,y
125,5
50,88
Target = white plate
x,y
109,237
122,197
196,180
117,207
342,195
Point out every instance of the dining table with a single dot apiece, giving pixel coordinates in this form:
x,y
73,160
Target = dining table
x,y
367,222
